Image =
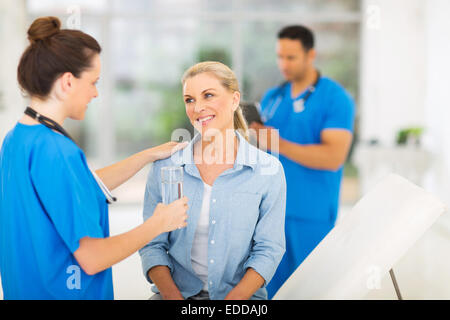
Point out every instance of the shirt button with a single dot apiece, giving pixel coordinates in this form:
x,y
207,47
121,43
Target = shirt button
x,y
213,222
212,242
212,260
210,282
214,200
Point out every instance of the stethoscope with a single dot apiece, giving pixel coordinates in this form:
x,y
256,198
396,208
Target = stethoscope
x,y
49,123
298,104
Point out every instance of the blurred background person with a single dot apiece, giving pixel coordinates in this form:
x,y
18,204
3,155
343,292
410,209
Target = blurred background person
x,y
314,116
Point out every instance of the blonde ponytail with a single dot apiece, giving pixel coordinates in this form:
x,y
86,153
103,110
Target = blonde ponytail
x,y
240,123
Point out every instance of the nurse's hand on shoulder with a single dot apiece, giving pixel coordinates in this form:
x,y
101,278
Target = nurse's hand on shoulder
x,y
172,216
165,150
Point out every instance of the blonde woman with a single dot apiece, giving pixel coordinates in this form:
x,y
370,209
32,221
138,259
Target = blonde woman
x,y
235,235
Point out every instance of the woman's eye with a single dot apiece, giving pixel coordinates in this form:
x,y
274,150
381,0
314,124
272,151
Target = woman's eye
x,y
188,100
207,95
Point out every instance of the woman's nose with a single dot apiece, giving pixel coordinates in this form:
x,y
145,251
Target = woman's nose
x,y
199,107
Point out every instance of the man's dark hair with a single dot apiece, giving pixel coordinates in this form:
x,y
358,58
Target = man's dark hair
x,y
301,33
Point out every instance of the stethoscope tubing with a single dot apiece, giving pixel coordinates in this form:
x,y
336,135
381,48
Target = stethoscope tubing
x,y
269,112
51,124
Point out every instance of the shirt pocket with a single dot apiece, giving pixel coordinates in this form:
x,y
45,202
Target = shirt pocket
x,y
244,211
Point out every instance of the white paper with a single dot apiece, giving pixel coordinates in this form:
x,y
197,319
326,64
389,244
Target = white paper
x,y
372,237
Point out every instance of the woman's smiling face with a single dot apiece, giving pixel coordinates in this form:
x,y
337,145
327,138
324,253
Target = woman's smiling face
x,y
209,105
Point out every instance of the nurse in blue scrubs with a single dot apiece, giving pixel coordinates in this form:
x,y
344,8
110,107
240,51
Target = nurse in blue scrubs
x,y
314,116
54,233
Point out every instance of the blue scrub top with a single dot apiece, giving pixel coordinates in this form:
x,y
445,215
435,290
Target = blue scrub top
x,y
49,200
311,194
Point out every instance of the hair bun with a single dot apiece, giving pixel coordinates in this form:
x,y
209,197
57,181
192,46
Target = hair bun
x,y
43,28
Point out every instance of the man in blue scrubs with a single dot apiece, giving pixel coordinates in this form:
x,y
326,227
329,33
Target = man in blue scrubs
x,y
314,116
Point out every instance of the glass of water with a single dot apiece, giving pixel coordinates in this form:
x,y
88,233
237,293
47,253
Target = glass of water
x,y
171,184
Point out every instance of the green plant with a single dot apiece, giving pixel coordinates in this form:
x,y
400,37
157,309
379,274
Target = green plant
x,y
409,134
350,170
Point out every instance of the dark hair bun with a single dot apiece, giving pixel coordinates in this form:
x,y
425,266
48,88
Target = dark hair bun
x,y
43,28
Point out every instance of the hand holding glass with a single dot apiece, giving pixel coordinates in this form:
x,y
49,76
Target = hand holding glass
x,y
171,184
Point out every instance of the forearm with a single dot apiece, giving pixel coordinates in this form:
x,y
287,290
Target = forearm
x,y
315,156
161,277
97,254
247,287
117,173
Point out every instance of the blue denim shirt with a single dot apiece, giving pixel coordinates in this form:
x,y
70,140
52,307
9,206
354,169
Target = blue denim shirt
x,y
246,222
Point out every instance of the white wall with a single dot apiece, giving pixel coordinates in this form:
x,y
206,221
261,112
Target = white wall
x,y
392,67
437,99
404,70
405,66
13,34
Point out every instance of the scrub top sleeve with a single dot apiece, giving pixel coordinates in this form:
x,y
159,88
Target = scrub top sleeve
x,y
340,111
67,191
